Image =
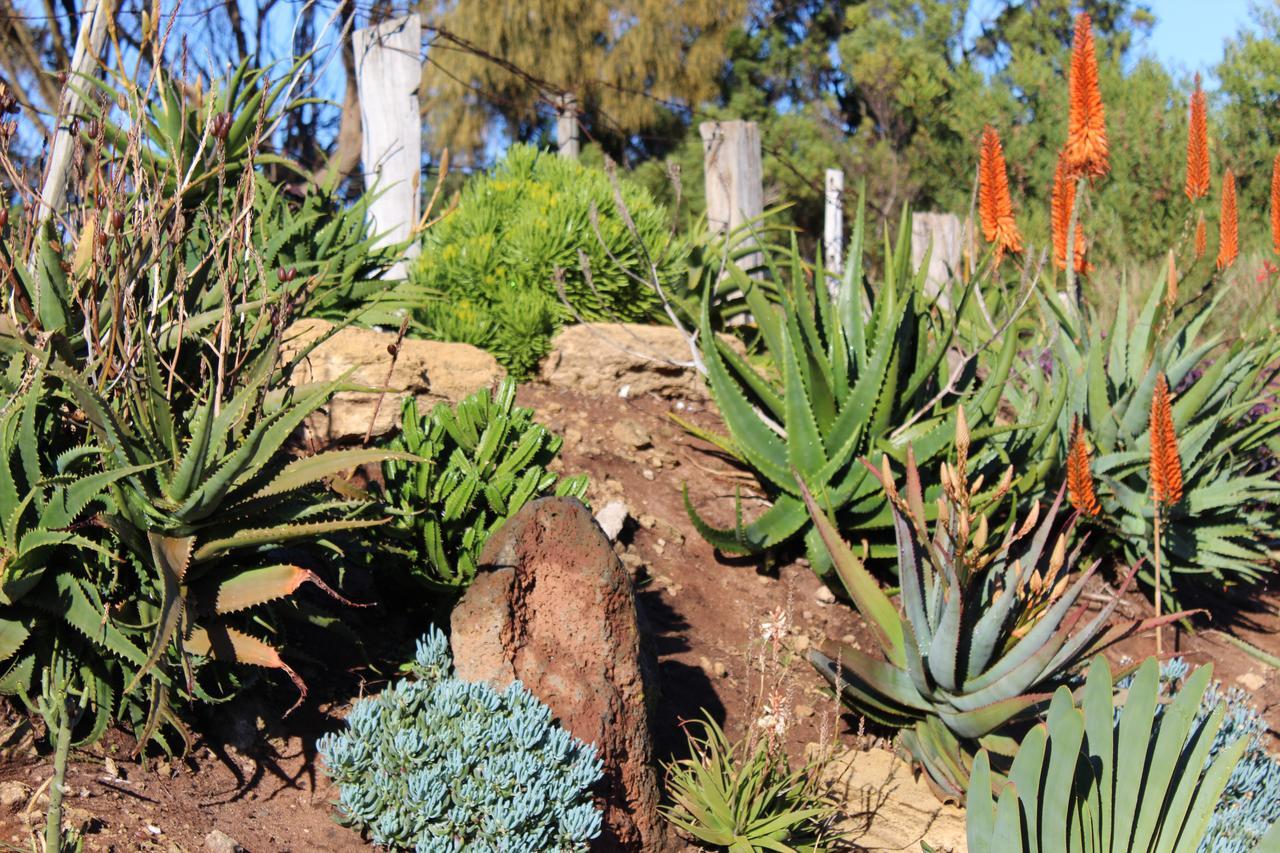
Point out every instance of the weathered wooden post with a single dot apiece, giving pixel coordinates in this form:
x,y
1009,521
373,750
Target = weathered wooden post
x,y
92,36
388,73
567,140
942,232
734,179
833,229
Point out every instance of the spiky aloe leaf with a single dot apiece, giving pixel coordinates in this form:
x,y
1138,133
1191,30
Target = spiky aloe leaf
x,y
251,587
229,645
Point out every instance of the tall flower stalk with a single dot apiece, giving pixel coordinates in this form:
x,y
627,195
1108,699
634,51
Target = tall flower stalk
x,y
1086,150
1166,473
1080,490
1275,204
995,203
1197,185
1229,227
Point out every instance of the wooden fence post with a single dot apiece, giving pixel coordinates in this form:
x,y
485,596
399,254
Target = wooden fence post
x,y
388,73
944,233
567,140
833,229
734,179
89,42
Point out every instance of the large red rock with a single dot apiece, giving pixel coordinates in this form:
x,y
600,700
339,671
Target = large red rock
x,y
554,608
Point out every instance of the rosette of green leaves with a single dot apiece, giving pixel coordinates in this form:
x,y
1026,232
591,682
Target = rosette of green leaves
x,y
872,370
1084,781
475,465
744,797
1229,516
986,630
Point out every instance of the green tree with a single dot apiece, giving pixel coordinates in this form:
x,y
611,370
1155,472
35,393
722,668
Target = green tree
x,y
1248,101
495,65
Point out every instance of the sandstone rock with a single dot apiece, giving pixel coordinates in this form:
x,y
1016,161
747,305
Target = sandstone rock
x,y
886,807
218,841
606,358
553,607
430,370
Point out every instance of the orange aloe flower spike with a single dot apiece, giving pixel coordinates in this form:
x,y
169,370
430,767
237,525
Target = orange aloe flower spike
x,y
1229,227
1198,146
1079,480
995,204
1202,237
1275,203
1063,200
1086,151
1166,465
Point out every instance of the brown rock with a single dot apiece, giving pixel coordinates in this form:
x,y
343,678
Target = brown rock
x,y
606,358
430,370
554,608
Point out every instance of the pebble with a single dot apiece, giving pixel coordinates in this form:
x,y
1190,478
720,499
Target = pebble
x,y
849,640
631,435
647,521
218,841
804,712
800,642
612,517
12,795
572,435
825,596
647,474
720,669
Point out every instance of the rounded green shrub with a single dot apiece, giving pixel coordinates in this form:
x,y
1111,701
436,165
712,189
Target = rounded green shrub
x,y
435,763
540,224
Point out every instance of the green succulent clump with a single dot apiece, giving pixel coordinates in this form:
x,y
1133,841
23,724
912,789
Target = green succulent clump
x,y
1111,778
542,224
435,763
474,466
1250,804
862,373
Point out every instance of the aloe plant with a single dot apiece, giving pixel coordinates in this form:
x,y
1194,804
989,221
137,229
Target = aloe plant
x,y
1083,780
461,472
987,630
1229,516
853,377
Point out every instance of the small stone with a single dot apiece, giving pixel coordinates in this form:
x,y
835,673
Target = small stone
x,y
803,562
849,640
807,615
218,841
647,474
572,435
647,521
800,642
632,561
624,392
631,435
659,547
655,461
12,795
1251,681
720,670
764,580
825,596
553,408
612,517
804,712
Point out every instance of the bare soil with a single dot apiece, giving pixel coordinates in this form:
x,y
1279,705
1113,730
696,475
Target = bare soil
x,y
254,776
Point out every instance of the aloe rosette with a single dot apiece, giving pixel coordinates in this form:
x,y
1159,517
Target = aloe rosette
x,y
984,635
850,378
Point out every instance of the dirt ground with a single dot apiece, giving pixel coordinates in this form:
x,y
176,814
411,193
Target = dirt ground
x,y
253,778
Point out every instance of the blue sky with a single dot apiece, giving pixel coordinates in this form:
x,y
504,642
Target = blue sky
x,y
1189,33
